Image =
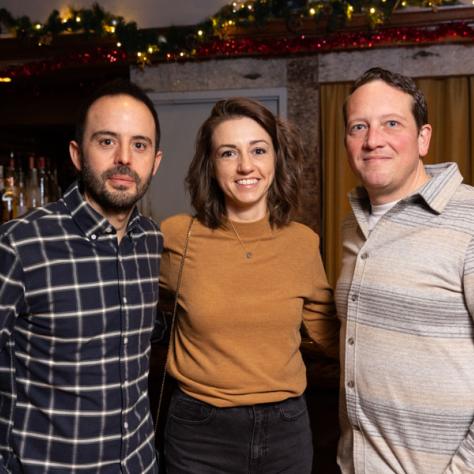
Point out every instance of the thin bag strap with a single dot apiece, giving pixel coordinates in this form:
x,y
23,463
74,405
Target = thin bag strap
x,y
173,318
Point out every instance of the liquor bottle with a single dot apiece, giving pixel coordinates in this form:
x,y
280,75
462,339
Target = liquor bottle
x,y
9,199
53,193
2,180
42,181
22,206
11,169
33,191
2,187
59,191
9,196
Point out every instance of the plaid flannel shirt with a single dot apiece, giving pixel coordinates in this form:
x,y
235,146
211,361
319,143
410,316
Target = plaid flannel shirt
x,y
76,315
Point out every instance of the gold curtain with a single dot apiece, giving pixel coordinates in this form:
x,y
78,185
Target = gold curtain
x,y
451,113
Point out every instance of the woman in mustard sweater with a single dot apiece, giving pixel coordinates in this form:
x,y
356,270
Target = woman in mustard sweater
x,y
251,277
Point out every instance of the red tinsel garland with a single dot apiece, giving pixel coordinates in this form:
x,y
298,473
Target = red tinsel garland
x,y
339,41
226,48
92,57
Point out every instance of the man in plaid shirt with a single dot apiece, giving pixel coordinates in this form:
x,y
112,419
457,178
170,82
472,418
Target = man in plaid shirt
x,y
78,292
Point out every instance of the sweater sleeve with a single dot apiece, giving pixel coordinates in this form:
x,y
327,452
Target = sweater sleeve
x,y
319,314
174,236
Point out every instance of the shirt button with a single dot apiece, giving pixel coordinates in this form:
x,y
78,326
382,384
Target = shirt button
x,y
125,425
125,340
93,237
350,384
354,297
364,256
108,230
124,299
350,341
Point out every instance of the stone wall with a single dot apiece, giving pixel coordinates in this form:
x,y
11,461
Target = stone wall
x,y
301,76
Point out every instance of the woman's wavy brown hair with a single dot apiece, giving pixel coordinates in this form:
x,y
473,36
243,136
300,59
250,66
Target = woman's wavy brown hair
x,y
283,195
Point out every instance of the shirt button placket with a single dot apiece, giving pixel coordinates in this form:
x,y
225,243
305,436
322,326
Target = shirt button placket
x,y
123,359
352,313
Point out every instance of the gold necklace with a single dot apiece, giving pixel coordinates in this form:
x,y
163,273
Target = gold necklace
x,y
247,252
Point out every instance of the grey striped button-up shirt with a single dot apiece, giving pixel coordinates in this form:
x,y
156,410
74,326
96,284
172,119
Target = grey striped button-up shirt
x,y
405,297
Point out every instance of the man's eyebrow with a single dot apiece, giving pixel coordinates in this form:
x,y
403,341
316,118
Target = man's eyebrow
x,y
143,137
101,133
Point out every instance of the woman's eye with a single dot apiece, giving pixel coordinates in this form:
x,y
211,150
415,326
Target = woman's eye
x,y
260,151
227,154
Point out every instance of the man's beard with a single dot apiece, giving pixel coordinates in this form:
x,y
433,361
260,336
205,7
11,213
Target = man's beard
x,y
118,199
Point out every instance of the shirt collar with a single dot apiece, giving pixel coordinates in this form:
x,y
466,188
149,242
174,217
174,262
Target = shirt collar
x,y
437,192
88,219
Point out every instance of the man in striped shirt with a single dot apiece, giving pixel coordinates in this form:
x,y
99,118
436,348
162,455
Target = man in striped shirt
x,y
78,292
405,295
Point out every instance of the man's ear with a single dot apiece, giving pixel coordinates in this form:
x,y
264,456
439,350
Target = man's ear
x,y
424,137
75,154
158,157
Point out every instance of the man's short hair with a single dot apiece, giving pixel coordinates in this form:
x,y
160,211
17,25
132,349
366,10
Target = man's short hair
x,y
112,88
404,83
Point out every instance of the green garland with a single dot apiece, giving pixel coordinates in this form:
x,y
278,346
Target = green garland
x,y
182,41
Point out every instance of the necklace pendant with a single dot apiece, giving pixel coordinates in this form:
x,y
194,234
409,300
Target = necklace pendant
x,y
248,254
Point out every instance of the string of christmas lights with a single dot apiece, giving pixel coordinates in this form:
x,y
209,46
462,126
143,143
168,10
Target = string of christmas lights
x,y
215,36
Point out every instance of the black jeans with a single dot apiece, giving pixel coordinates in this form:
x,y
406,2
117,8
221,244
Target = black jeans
x,y
268,438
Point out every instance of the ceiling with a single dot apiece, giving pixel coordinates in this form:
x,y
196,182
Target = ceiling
x,y
146,13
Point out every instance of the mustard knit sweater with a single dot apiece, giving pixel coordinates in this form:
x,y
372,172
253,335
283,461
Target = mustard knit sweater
x,y
237,333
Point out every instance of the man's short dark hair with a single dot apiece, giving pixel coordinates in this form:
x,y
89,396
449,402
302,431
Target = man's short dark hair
x,y
404,83
112,88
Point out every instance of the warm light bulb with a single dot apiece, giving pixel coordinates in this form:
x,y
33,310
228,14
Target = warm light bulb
x,y
139,54
38,26
78,19
312,11
372,10
5,79
200,32
119,44
351,8
150,50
